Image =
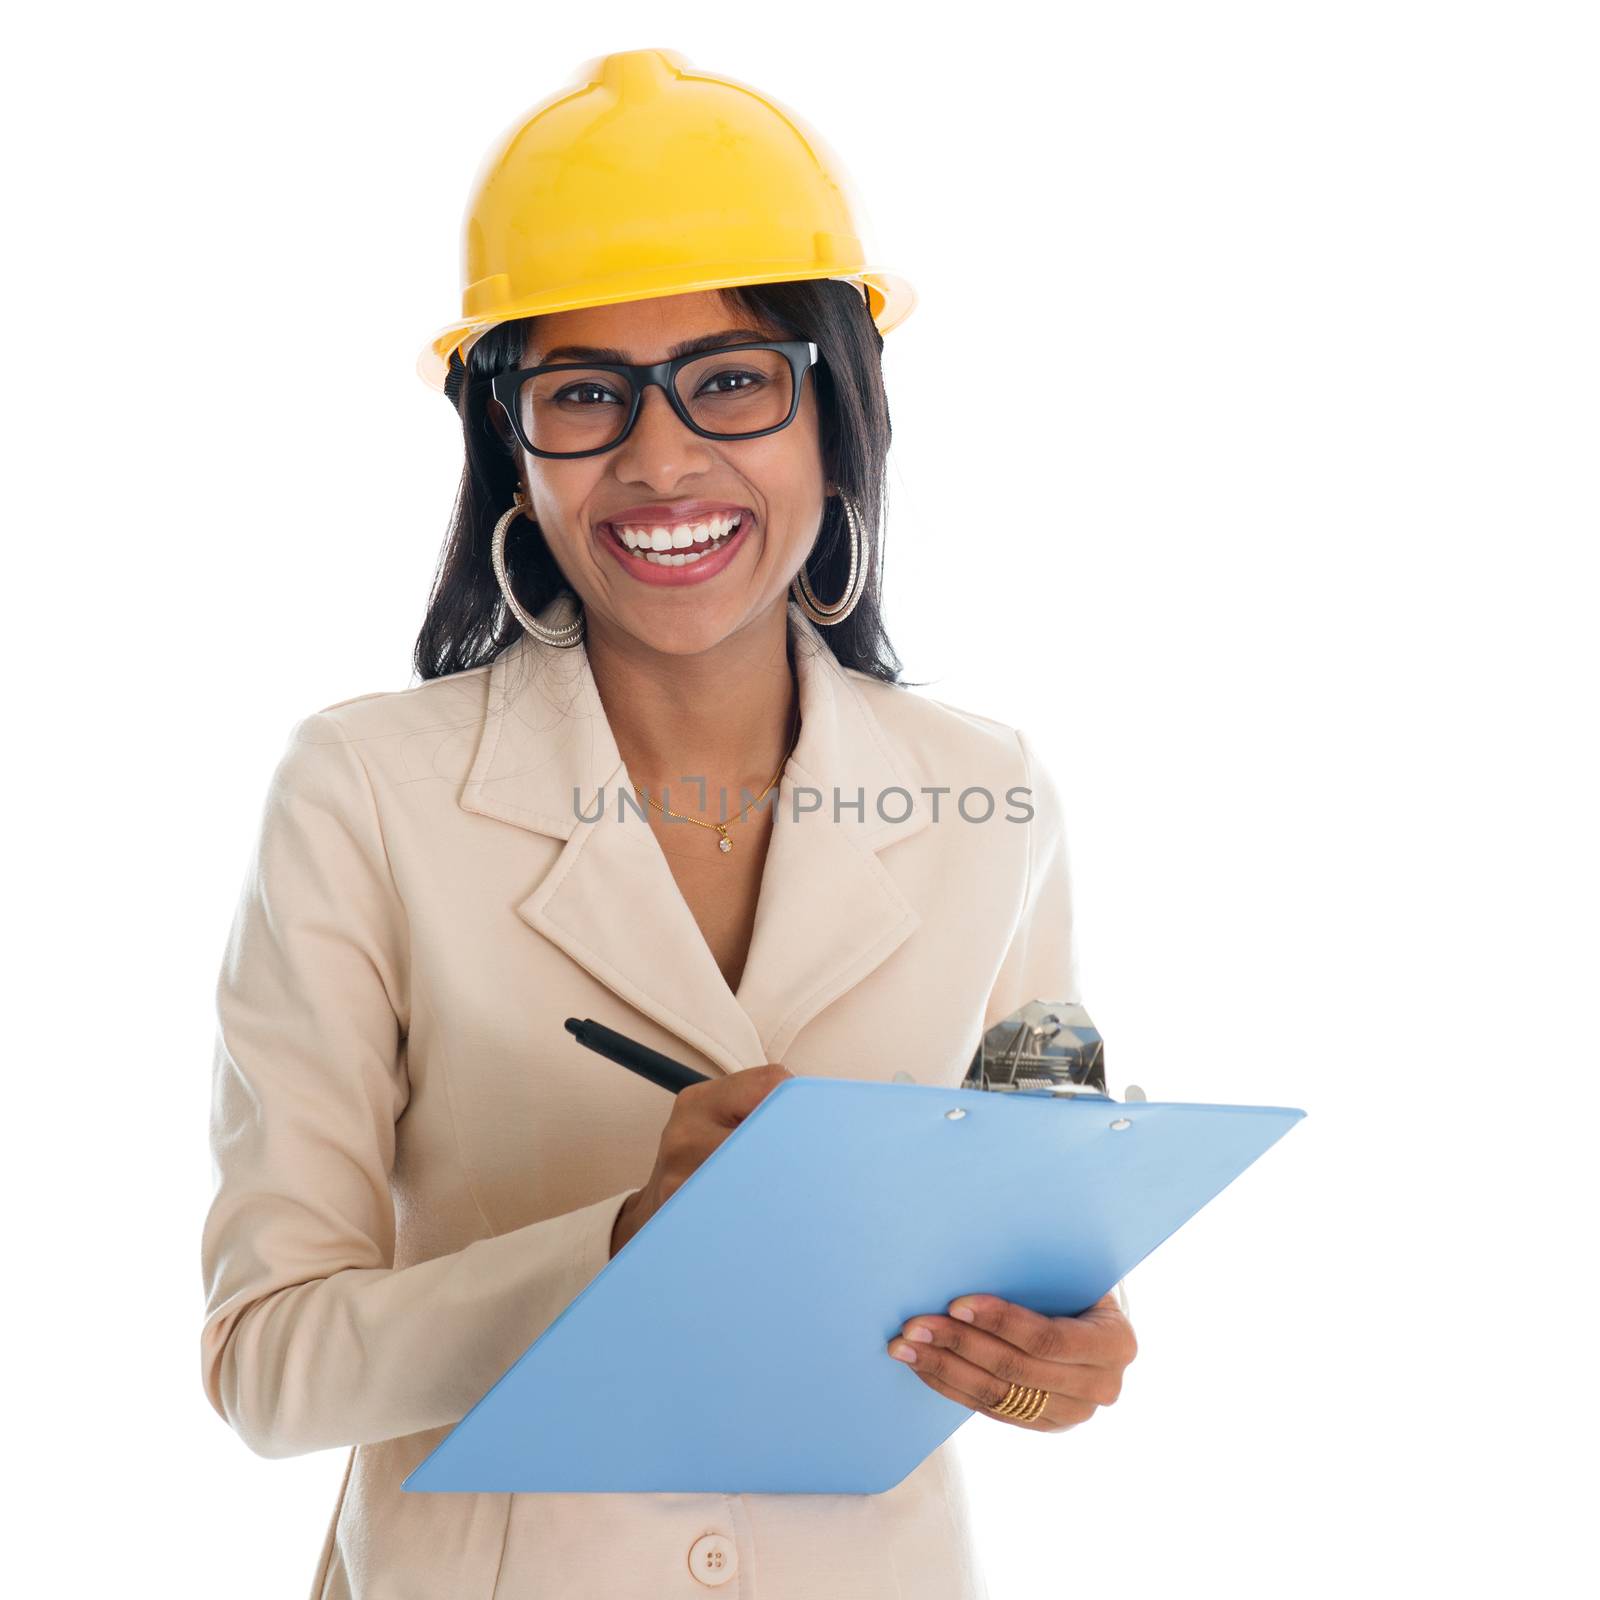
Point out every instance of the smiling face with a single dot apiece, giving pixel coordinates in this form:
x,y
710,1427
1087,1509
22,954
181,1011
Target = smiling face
x,y
664,476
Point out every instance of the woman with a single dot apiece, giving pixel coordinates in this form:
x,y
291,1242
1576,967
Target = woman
x,y
656,580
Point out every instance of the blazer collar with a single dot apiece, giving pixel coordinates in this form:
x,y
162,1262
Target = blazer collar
x,y
829,911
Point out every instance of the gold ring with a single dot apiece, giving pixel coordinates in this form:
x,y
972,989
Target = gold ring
x,y
1021,1404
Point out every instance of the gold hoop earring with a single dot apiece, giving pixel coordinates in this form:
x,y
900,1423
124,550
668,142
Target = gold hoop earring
x,y
855,585
564,637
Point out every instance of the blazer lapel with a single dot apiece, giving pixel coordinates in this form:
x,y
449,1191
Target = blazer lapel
x,y
828,913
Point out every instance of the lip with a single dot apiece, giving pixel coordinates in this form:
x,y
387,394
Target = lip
x,y
659,514
678,577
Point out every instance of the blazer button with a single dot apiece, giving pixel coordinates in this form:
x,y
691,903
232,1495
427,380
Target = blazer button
x,y
713,1559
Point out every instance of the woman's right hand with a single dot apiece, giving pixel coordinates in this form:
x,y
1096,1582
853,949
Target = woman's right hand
x,y
703,1115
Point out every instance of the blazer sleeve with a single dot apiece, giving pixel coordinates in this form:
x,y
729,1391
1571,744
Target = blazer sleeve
x,y
312,1338
1041,962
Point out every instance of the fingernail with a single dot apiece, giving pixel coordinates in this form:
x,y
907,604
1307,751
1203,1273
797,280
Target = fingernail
x,y
903,1352
961,1313
921,1334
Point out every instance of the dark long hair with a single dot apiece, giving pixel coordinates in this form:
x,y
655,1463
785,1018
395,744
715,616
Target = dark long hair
x,y
468,623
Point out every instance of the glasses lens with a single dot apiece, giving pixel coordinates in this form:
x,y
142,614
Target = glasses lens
x,y
737,391
726,392
574,409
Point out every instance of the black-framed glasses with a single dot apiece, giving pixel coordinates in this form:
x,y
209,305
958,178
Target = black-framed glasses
x,y
581,408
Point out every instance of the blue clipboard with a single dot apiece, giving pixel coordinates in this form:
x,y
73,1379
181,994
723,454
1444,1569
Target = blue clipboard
x,y
737,1342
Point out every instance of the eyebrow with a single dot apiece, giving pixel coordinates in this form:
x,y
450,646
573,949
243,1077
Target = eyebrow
x,y
705,341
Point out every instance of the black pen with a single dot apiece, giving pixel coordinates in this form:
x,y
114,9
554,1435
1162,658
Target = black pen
x,y
634,1056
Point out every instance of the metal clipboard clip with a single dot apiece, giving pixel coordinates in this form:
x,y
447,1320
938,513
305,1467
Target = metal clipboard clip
x,y
1047,1047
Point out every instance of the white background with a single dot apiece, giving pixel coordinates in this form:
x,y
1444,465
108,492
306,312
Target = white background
x,y
1244,455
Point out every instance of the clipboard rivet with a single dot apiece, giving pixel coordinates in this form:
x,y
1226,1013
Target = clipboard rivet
x,y
955,1114
1120,1124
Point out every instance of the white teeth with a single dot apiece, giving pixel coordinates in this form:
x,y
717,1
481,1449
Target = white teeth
x,y
664,546
679,537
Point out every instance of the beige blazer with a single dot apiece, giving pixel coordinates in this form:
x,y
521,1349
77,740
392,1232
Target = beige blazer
x,y
417,1167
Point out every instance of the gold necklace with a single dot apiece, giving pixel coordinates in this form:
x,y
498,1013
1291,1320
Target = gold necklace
x,y
725,844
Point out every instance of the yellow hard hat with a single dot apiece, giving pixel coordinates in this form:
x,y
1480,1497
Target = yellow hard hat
x,y
648,177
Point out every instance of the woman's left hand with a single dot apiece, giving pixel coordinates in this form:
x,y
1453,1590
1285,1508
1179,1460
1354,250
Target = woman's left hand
x,y
1077,1361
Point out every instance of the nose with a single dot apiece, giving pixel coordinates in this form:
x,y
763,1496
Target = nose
x,y
660,436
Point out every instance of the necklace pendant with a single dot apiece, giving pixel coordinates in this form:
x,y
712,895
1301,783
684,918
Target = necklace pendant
x,y
724,844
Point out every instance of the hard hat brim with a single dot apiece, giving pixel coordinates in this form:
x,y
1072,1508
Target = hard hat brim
x,y
890,298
